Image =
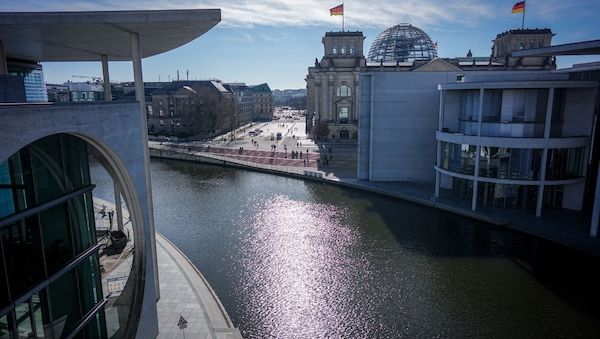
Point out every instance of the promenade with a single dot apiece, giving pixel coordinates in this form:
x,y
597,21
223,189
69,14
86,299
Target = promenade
x,y
559,226
184,292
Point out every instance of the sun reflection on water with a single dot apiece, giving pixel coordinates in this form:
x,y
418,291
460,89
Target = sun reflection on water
x,y
299,252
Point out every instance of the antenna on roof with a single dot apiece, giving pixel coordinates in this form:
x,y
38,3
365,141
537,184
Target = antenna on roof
x,y
187,74
177,75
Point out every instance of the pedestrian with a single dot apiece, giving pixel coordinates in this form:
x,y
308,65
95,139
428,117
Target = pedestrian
x,y
330,157
300,155
304,162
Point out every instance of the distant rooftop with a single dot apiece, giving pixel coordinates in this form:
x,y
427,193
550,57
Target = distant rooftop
x,y
526,31
85,36
357,33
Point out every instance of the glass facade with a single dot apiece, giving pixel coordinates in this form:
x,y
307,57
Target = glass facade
x,y
513,163
35,87
505,113
510,163
459,158
50,284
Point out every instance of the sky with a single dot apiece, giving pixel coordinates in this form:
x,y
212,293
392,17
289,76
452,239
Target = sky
x,y
275,41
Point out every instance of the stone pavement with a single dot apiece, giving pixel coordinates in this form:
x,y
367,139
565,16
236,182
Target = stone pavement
x,y
185,293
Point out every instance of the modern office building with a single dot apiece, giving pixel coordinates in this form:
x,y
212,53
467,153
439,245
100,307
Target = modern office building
x,y
399,98
49,256
516,141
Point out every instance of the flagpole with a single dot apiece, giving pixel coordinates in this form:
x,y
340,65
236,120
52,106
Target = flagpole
x,y
523,21
343,15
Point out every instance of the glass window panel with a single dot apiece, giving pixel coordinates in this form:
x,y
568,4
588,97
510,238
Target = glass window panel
x,y
96,328
64,301
24,327
20,168
89,283
76,162
56,233
4,300
81,214
41,316
46,164
23,255
7,204
5,328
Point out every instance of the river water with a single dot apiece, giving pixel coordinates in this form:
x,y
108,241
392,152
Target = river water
x,y
295,259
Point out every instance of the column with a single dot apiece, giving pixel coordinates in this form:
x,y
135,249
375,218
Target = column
x,y
547,125
596,209
106,78
478,150
332,112
3,67
355,109
439,145
118,209
136,56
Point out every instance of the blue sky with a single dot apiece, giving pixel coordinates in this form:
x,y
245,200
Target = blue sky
x,y
275,41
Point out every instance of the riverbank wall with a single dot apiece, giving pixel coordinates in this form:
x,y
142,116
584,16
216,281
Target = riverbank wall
x,y
556,229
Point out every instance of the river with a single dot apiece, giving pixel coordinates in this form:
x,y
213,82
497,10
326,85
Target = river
x,y
296,259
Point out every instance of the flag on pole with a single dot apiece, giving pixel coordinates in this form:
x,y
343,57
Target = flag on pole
x,y
337,10
519,7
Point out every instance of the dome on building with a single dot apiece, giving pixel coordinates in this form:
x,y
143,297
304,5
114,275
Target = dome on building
x,y
402,43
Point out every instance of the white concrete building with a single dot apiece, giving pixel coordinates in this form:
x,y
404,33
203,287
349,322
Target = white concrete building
x,y
49,253
518,141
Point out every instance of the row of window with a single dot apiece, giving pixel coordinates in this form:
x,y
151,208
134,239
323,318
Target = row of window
x,y
349,50
506,113
513,163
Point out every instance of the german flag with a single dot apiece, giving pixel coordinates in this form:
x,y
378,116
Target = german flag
x,y
337,10
519,7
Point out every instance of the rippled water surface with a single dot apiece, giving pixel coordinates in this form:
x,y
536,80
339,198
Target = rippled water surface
x,y
293,259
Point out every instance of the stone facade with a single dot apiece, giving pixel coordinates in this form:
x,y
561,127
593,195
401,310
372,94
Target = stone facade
x,y
517,39
262,100
332,85
197,108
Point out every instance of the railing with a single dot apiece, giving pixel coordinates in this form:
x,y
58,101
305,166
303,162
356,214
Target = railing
x,y
167,151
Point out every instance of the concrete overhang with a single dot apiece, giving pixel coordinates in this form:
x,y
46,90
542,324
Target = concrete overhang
x,y
85,36
578,48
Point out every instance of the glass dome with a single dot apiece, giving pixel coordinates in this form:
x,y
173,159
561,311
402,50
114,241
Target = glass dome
x,y
402,43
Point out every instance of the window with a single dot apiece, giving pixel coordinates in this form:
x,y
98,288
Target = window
x,y
149,109
162,122
351,50
343,114
343,50
334,49
161,112
160,101
344,91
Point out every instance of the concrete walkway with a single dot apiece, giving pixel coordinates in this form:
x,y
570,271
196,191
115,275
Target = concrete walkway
x,y
185,293
560,226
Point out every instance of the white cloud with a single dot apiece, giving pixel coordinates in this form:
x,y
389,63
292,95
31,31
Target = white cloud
x,y
246,13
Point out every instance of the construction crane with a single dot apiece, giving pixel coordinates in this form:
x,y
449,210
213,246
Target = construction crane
x,y
87,77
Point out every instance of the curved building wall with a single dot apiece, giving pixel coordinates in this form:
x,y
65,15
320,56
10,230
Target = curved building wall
x,y
515,145
110,130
